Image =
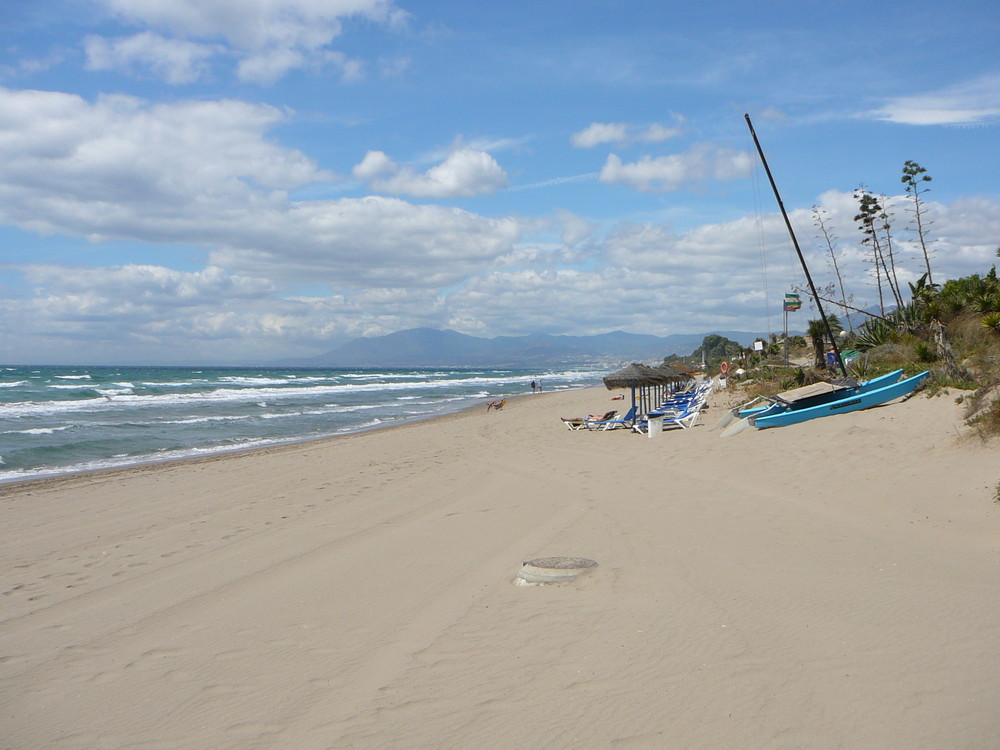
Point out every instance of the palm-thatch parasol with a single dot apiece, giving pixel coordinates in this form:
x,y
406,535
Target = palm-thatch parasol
x,y
651,382
682,368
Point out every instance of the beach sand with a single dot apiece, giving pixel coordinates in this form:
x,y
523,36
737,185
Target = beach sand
x,y
827,585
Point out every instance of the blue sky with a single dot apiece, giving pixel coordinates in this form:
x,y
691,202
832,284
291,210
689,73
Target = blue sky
x,y
189,181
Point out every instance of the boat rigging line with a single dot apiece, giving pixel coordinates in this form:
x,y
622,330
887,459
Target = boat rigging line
x,y
798,250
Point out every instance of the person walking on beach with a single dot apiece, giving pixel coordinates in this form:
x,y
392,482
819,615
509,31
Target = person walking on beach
x,y
533,386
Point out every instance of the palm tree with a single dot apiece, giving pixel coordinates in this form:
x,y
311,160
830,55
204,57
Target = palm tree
x,y
820,340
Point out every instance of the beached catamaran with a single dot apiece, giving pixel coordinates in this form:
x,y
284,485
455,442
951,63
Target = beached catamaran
x,y
820,399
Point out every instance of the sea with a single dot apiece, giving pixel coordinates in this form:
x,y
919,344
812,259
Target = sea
x,y
62,420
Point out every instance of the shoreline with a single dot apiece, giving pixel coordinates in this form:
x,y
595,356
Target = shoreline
x,y
7,485
822,585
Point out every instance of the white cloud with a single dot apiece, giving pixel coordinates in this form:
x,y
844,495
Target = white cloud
x,y
138,285
139,312
373,241
621,133
206,175
375,164
970,103
120,167
657,133
175,61
391,265
464,172
203,174
600,132
268,37
258,24
700,163
270,65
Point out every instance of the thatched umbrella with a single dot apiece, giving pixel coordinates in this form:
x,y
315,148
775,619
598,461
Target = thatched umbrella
x,y
643,377
684,369
675,372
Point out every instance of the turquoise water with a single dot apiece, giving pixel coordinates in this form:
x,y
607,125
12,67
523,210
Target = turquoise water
x,y
56,420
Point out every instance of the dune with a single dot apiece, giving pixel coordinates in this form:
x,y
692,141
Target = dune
x,y
826,585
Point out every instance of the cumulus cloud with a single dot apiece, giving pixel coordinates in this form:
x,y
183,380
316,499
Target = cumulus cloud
x,y
392,265
204,174
137,285
600,132
175,61
621,133
664,173
656,133
376,164
120,167
972,102
372,241
463,173
137,312
269,38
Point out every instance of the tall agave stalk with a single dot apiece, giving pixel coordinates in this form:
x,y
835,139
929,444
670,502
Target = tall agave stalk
x,y
913,175
828,238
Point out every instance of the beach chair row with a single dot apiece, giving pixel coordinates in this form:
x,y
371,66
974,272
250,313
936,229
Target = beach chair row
x,y
681,410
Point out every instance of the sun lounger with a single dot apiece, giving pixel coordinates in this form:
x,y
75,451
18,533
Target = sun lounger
x,y
580,423
613,424
673,420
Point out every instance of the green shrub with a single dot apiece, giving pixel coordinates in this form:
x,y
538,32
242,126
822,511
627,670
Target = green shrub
x,y
925,351
991,321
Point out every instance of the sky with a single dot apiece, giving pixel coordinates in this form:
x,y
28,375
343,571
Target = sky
x,y
235,181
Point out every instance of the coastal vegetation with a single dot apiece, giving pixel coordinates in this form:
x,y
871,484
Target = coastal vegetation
x,y
953,330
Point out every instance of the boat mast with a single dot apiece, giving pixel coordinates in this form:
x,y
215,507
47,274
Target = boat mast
x,y
795,242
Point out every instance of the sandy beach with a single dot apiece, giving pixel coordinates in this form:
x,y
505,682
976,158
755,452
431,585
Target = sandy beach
x,y
826,585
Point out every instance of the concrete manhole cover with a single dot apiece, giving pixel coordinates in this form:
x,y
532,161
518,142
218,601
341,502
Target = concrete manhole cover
x,y
553,569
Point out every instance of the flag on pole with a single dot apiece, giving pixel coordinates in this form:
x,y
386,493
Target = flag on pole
x,y
792,302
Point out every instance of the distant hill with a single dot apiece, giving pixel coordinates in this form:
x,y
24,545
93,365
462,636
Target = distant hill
x,y
429,347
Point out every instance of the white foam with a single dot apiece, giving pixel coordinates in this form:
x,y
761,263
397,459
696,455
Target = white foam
x,y
121,461
243,380
38,430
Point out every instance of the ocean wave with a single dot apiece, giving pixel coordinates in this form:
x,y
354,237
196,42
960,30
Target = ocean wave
x,y
39,430
483,384
109,392
121,461
72,377
131,411
254,381
203,420
16,384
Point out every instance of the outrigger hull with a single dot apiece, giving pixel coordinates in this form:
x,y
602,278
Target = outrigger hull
x,y
778,406
855,401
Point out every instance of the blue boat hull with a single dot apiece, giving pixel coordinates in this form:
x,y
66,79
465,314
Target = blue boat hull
x,y
856,401
869,385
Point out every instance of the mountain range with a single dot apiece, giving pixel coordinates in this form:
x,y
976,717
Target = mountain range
x,y
429,347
